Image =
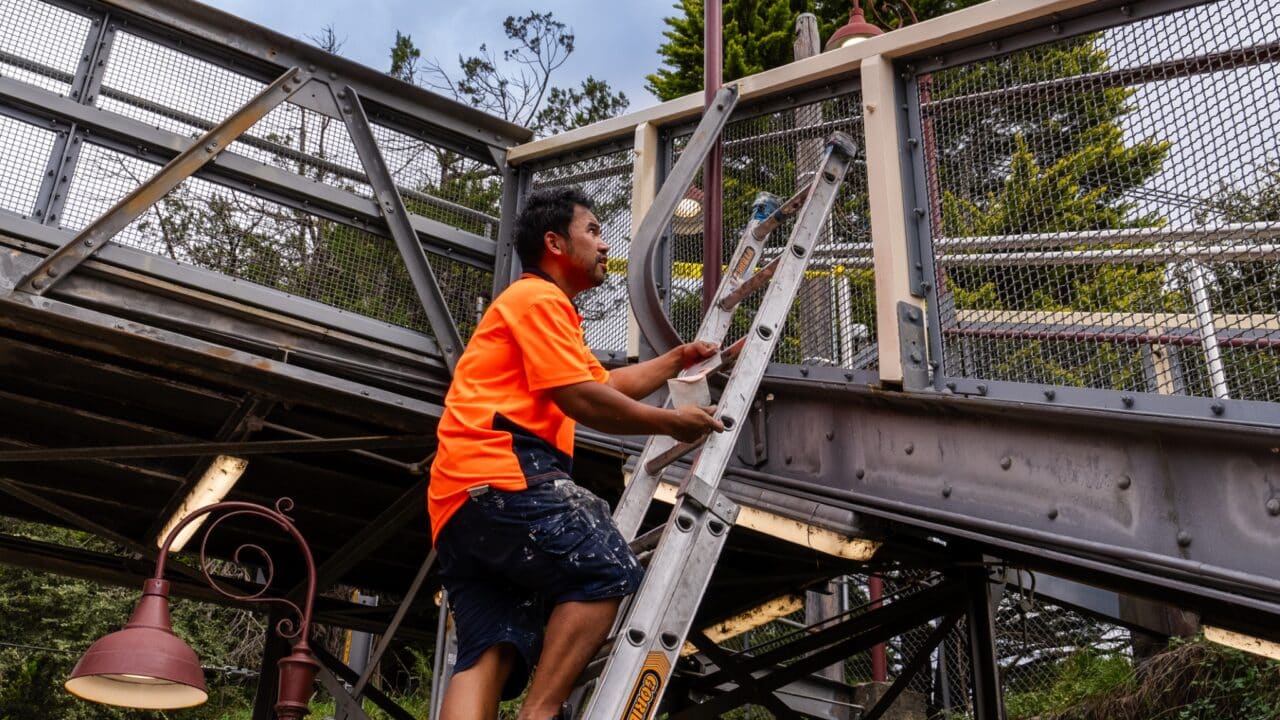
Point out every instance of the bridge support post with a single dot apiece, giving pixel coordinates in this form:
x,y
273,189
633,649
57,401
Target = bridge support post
x,y
981,597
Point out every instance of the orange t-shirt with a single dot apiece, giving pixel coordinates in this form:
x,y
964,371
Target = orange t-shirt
x,y
500,426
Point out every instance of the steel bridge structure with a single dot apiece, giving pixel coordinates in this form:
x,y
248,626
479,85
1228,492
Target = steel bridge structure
x,y
1042,332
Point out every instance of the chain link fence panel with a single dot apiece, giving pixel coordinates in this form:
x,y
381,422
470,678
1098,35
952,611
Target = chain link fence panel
x,y
1106,207
832,321
607,180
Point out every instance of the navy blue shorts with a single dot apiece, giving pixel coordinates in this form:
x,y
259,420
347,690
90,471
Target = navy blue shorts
x,y
508,558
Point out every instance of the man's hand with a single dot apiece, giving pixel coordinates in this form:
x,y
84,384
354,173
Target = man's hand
x,y
690,423
695,352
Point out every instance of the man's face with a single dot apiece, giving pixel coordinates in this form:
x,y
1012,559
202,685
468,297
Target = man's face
x,y
585,252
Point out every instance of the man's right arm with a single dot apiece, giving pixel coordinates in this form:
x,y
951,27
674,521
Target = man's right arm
x,y
602,408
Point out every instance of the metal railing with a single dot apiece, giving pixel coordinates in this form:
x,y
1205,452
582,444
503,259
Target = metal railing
x,y
96,96
1079,197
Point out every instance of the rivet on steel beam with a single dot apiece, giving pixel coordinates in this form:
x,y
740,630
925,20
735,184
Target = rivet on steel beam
x,y
913,315
1273,507
1056,28
982,389
40,283
1217,408
860,473
1006,462
946,491
90,242
311,68
909,448
804,371
995,44
1050,394
926,286
1124,482
951,386
346,109
831,435
918,211
916,357
848,376
787,459
211,147
333,75
342,93
1126,10
1053,513
913,142
1184,538
1127,400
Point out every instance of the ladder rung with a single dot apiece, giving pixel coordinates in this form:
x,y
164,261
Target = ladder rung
x,y
647,541
750,285
655,466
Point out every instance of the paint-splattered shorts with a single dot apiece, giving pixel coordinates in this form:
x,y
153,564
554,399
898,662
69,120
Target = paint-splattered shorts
x,y
507,558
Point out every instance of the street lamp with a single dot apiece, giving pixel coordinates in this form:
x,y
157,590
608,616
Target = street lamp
x,y
147,666
854,31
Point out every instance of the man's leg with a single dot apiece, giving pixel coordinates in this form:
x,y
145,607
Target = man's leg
x,y
575,632
473,693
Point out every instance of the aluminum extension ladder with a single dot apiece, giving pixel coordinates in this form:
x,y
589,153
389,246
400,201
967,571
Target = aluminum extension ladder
x,y
627,681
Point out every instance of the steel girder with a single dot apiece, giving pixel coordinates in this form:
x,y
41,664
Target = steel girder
x,y
1139,504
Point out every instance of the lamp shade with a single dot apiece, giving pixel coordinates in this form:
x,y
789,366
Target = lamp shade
x,y
687,218
856,30
144,665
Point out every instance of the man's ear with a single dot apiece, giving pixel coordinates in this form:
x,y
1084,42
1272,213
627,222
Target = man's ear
x,y
553,243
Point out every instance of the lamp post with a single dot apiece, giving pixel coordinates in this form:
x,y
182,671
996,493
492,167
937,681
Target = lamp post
x,y
146,665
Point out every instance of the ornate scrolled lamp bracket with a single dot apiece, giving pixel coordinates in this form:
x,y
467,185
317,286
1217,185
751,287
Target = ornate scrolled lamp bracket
x,y
145,665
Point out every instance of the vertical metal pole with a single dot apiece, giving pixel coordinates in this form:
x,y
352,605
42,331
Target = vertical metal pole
x,y
1208,332
446,655
879,658
506,268
987,701
274,648
712,180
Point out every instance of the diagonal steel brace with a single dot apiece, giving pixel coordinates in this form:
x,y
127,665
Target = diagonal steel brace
x,y
64,260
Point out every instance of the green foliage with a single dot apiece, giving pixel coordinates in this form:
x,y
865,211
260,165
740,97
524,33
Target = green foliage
x,y
47,622
1195,680
1084,676
759,35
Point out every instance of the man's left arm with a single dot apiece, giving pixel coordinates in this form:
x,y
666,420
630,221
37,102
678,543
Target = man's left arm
x,y
642,379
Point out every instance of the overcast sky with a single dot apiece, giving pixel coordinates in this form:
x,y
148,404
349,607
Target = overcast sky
x,y
615,41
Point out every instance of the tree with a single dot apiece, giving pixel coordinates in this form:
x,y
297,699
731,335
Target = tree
x,y
516,83
758,35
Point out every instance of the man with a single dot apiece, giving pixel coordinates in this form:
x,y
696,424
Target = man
x,y
520,545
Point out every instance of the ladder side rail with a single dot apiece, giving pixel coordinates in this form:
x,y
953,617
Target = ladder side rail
x,y
662,611
639,492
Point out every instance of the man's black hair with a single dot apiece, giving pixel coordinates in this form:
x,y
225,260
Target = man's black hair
x,y
546,210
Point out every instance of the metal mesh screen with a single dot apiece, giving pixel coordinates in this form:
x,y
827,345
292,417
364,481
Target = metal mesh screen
x,y
169,89
1106,208
22,164
1037,643
186,95
607,180
246,237
41,44
832,321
